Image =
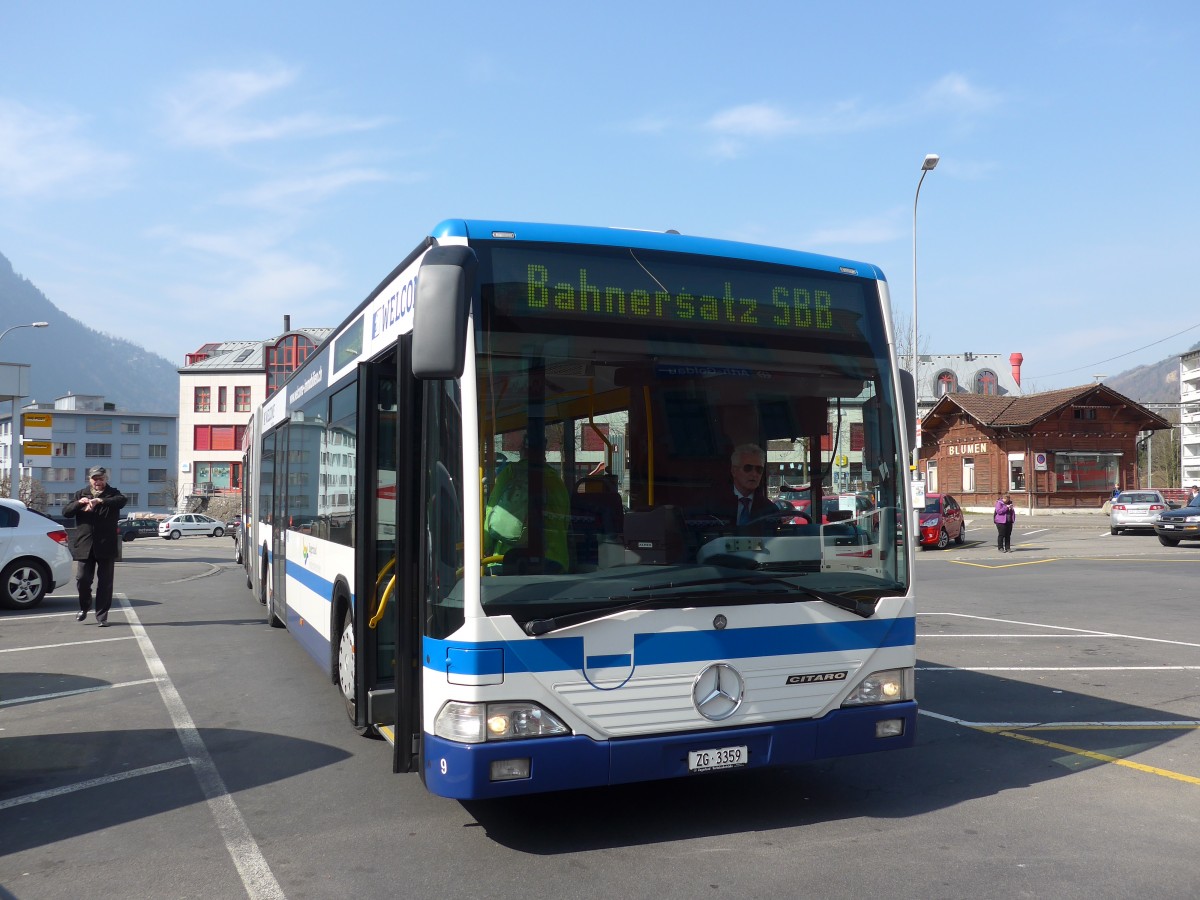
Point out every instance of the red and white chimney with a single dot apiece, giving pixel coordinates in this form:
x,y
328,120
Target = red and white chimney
x,y
1015,361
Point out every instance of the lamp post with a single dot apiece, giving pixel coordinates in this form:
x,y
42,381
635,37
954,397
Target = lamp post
x,y
26,325
930,163
14,477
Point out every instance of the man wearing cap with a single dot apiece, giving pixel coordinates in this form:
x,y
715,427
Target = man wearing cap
x,y
96,542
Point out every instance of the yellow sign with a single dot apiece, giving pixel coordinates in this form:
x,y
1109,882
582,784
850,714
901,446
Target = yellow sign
x,y
37,420
36,448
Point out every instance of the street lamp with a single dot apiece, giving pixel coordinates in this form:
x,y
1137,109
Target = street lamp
x,y
930,163
14,483
27,325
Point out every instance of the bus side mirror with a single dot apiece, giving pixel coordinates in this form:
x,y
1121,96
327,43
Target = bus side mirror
x,y
443,302
908,390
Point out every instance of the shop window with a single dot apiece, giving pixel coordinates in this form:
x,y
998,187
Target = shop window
x,y
1095,472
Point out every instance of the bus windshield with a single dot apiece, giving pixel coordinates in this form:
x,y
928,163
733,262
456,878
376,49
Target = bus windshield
x,y
657,428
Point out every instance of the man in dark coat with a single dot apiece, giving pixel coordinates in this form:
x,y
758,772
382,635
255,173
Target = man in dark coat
x,y
95,544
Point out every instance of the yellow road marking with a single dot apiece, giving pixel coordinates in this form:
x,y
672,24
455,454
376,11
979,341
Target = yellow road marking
x,y
1103,757
1032,562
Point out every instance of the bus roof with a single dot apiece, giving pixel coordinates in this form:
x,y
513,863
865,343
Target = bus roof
x,y
488,229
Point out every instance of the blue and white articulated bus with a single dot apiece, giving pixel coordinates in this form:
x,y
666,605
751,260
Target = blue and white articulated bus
x,y
497,505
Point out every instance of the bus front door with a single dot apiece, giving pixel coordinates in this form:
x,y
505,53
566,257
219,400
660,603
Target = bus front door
x,y
384,615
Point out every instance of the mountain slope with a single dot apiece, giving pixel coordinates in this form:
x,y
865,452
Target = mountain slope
x,y
69,357
1155,383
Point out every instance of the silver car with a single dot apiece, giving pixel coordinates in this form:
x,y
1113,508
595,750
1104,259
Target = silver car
x,y
1136,510
189,523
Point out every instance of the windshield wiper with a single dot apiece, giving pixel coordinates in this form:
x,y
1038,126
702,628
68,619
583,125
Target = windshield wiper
x,y
864,608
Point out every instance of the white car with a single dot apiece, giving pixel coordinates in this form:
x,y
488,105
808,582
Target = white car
x,y
174,528
34,558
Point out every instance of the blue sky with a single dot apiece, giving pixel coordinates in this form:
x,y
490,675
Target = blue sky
x,y
176,174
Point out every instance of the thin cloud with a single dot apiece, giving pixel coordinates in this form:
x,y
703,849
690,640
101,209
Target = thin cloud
x,y
305,190
873,230
43,154
246,270
220,110
954,94
734,129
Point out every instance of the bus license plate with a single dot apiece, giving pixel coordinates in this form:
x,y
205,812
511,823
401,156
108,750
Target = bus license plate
x,y
720,758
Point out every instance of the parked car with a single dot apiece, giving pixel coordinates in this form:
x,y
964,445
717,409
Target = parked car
x,y
940,522
1136,510
34,558
177,526
1175,525
131,529
834,507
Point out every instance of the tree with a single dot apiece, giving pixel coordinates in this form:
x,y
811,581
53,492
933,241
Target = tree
x,y
30,491
902,323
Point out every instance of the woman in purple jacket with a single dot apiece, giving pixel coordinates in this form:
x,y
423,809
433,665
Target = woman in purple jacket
x,y
1004,517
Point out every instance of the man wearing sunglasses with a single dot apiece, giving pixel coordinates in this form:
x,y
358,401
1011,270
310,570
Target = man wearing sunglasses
x,y
95,543
744,505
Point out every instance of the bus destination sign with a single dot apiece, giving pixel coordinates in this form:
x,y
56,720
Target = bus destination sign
x,y
716,293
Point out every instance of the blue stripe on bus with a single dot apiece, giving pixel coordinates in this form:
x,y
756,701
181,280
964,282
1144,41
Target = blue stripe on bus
x,y
612,661
322,587
567,654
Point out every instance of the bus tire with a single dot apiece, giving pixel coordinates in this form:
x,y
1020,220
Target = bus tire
x,y
263,573
345,669
272,618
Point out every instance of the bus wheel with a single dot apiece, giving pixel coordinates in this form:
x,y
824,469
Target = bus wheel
x,y
345,664
272,619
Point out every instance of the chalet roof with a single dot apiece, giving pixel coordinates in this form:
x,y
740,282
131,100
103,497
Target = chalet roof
x,y
1021,412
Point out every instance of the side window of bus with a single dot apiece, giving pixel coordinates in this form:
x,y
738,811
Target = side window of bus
x,y
443,509
338,460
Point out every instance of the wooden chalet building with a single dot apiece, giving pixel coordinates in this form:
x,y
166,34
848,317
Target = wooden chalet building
x,y
1053,450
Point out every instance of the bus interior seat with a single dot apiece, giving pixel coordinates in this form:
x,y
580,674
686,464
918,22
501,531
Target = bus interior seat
x,y
596,512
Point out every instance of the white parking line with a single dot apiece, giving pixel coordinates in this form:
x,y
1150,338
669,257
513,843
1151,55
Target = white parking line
x,y
1086,632
91,783
1058,668
256,875
38,698
66,644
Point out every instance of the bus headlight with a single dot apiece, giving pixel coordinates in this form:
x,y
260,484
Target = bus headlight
x,y
474,723
886,686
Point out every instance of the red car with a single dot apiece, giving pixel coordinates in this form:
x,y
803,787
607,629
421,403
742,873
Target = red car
x,y
941,521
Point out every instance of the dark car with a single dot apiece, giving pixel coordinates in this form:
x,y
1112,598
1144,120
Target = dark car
x,y
941,521
131,529
1175,525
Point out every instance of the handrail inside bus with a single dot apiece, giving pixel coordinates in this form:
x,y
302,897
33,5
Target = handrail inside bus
x,y
649,446
383,602
610,451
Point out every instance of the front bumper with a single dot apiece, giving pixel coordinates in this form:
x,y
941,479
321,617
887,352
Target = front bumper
x,y
462,771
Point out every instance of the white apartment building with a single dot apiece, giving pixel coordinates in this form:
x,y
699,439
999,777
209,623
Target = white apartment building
x,y
219,386
139,449
1189,418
